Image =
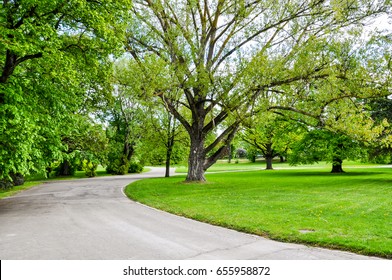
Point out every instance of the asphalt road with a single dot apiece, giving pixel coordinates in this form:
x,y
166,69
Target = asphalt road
x,y
92,219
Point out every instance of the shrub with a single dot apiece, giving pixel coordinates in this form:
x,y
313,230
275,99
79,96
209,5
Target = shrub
x,y
241,153
117,166
5,184
66,168
90,168
135,167
17,179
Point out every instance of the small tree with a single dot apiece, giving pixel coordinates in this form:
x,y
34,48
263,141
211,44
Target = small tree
x,y
165,140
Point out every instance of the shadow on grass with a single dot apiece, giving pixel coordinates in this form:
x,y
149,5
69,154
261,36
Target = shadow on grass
x,y
345,174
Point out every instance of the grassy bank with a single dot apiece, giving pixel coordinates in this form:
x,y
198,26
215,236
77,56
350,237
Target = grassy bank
x,y
38,179
349,211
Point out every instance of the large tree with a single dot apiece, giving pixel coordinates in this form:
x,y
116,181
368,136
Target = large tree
x,y
211,50
53,63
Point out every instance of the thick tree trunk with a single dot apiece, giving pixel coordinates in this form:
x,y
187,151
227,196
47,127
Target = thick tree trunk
x,y
268,160
269,155
337,166
281,159
196,160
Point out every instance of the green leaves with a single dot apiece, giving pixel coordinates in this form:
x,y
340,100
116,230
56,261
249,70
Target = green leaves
x,y
54,59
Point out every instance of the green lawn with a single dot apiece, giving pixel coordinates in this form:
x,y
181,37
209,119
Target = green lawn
x,y
243,164
351,211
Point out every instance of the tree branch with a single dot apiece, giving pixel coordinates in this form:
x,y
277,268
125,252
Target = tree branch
x,y
221,137
224,149
169,106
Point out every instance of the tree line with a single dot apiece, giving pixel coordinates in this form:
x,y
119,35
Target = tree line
x,y
123,83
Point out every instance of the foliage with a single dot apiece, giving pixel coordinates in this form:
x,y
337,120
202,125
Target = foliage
x,y
135,167
84,141
225,60
164,140
90,168
252,152
117,165
241,153
322,145
5,184
271,135
54,62
126,118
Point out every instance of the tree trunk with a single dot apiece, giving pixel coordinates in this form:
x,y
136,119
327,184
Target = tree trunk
x,y
229,154
268,160
196,160
65,169
337,166
282,159
269,156
168,158
253,158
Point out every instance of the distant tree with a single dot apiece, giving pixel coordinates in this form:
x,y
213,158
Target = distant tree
x,y
85,147
166,140
271,136
241,153
322,145
126,117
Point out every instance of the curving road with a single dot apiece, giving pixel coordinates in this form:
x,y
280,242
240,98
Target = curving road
x,y
92,219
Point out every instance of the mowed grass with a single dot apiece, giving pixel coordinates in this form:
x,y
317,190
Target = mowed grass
x,y
351,211
244,164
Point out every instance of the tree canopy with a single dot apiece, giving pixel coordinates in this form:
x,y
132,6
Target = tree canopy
x,y
54,61
213,65
227,56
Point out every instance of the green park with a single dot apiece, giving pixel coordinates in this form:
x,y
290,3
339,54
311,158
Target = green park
x,y
272,118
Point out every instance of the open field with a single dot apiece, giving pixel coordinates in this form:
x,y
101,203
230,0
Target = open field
x,y
350,211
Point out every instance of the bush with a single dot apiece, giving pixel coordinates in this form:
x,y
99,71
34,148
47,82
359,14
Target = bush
x,y
5,184
117,166
135,167
17,179
241,153
90,168
66,168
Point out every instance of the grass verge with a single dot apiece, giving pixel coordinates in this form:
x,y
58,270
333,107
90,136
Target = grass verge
x,y
350,211
36,180
15,190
